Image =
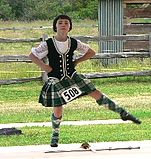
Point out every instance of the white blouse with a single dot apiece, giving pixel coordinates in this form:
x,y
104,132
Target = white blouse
x,y
42,50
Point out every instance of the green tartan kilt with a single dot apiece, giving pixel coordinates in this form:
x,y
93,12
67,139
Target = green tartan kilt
x,y
50,95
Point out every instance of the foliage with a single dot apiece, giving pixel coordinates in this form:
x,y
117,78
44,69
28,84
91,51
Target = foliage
x,y
6,12
47,9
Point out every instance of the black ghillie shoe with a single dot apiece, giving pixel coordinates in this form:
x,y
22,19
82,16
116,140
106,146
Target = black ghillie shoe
x,y
126,116
54,145
54,142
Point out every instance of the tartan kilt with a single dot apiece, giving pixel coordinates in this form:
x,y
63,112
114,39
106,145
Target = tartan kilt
x,y
50,95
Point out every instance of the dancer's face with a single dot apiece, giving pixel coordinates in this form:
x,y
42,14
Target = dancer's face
x,y
63,25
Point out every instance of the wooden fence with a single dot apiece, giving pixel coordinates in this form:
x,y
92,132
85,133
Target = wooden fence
x,y
142,54
137,1
128,28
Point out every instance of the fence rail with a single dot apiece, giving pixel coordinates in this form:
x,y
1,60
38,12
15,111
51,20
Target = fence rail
x,y
128,28
131,42
24,58
18,40
147,54
136,1
118,74
19,80
143,37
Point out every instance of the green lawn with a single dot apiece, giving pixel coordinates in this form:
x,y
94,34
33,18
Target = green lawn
x,y
19,102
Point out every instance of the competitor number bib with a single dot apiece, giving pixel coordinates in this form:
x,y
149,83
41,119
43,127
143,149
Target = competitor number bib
x,y
71,93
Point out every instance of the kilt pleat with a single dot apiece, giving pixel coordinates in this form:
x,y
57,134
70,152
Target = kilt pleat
x,y
50,95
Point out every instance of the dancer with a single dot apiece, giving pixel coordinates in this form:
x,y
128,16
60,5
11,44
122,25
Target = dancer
x,y
64,83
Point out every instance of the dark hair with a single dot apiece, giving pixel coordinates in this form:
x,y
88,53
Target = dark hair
x,y
62,16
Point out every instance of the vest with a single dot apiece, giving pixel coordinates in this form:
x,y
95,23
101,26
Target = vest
x,y
62,64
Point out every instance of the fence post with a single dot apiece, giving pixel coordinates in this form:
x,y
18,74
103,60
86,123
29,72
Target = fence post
x,y
150,46
45,60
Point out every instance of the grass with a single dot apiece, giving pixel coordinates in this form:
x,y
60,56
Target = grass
x,y
140,20
18,102
80,134
22,106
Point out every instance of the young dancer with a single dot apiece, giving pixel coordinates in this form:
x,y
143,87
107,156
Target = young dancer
x,y
64,83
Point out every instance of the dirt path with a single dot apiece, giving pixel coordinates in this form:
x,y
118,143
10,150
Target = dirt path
x,y
39,152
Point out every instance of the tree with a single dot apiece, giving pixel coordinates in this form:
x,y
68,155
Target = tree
x,y
5,10
48,9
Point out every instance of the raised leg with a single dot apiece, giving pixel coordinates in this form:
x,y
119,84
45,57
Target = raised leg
x,y
102,99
